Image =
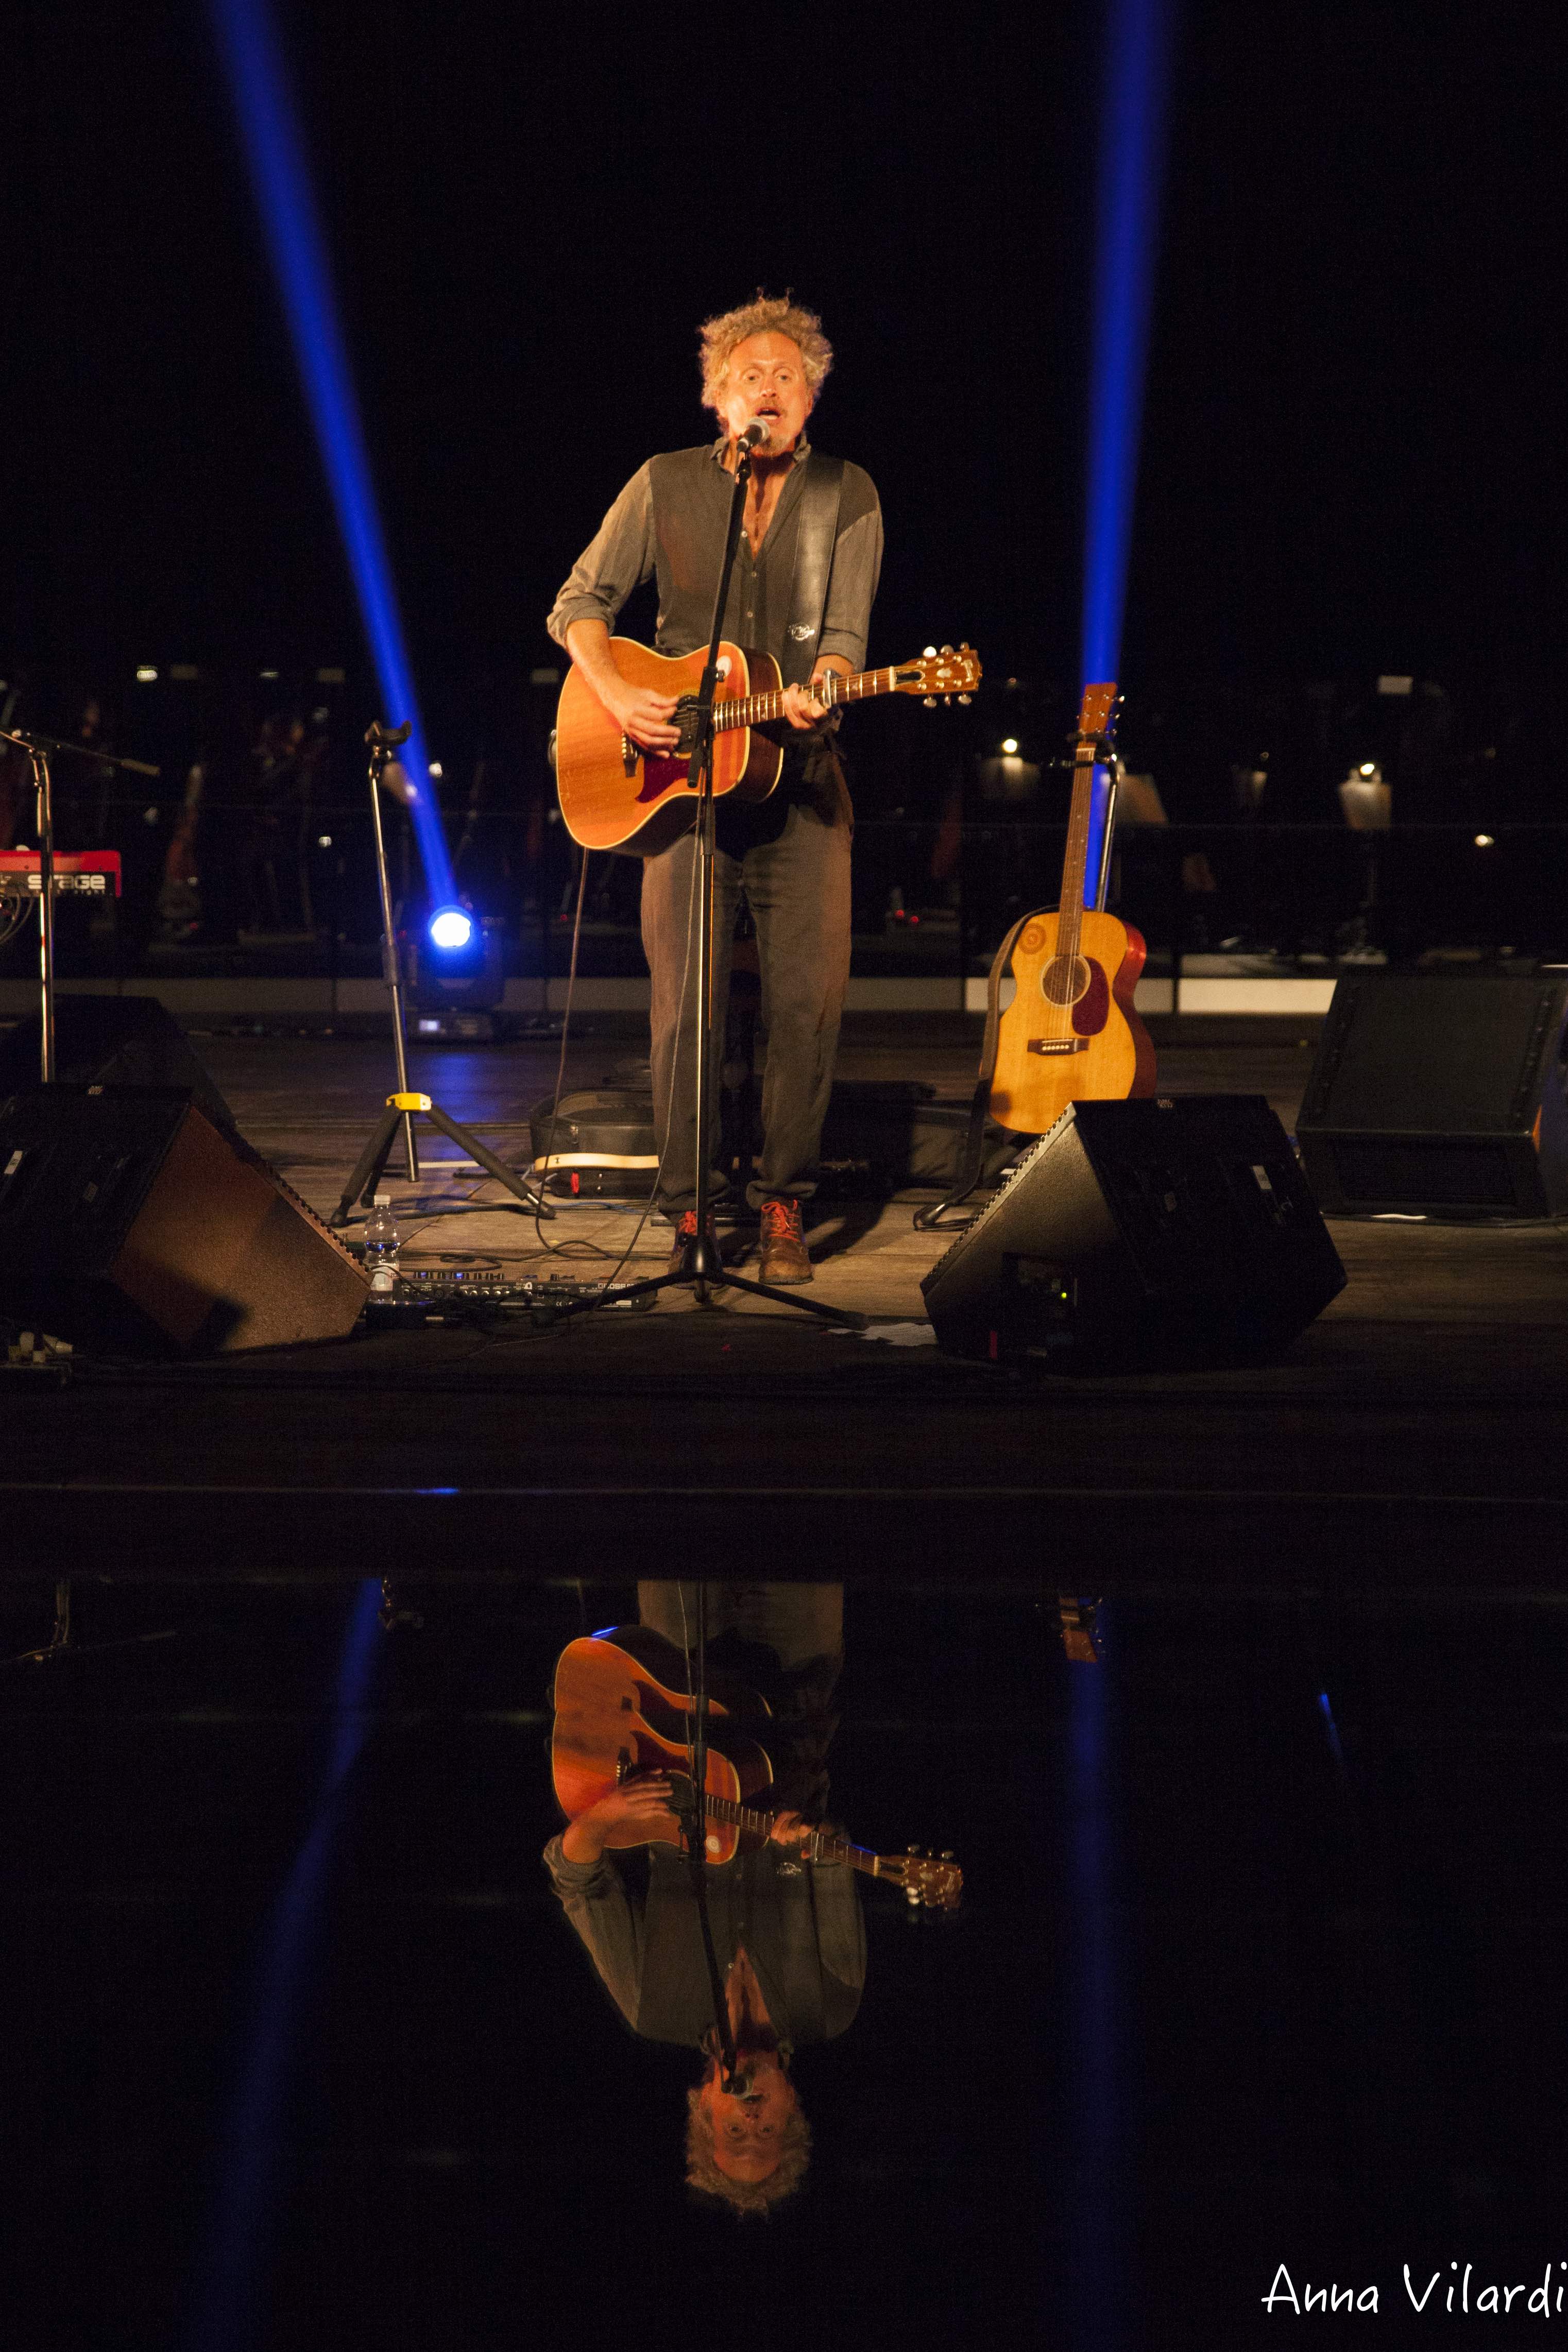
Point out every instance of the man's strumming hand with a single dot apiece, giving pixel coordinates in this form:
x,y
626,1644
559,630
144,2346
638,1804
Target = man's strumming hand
x,y
637,1803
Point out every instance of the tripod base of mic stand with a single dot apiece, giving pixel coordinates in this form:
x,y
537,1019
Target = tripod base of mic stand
x,y
704,1269
373,1160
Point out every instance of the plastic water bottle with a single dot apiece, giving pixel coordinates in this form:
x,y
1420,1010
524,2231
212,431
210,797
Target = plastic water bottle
x,y
382,1240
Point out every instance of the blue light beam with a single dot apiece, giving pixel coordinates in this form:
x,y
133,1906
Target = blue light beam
x,y
1138,44
1098,2198
230,2308
275,153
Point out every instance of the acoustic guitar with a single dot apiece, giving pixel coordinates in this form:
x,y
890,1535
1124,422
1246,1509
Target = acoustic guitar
x,y
615,795
619,1714
1071,1032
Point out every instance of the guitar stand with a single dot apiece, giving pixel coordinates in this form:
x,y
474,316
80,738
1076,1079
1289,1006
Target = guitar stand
x,y
702,1266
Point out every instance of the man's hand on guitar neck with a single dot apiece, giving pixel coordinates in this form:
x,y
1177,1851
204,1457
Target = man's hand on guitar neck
x,y
790,1830
636,710
640,1802
801,705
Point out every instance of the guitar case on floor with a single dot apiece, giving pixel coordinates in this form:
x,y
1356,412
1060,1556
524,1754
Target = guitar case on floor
x,y
600,1142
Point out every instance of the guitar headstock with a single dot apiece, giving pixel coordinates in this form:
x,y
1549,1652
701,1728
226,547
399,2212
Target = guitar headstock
x,y
1095,709
939,674
932,1880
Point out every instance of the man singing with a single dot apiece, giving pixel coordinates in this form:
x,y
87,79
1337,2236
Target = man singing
x,y
790,853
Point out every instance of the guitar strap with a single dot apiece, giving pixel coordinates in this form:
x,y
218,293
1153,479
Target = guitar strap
x,y
817,534
936,1220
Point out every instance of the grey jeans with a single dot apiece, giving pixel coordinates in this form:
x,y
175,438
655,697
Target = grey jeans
x,y
797,885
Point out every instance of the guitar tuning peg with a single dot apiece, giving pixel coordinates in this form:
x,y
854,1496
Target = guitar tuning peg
x,y
947,699
947,649
930,702
966,697
949,1856
913,1849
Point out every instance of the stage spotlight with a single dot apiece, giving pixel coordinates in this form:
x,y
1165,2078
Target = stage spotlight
x,y
457,972
1010,746
451,929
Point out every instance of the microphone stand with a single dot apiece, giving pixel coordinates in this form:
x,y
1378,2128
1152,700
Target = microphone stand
x,y
701,1266
37,748
696,1827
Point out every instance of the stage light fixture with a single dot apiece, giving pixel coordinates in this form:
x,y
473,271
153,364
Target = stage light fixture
x,y
451,929
146,675
1010,745
1485,841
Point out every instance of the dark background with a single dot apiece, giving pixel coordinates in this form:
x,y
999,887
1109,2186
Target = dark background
x,y
1351,455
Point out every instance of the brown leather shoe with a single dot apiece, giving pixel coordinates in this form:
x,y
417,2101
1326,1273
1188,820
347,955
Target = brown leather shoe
x,y
784,1259
686,1230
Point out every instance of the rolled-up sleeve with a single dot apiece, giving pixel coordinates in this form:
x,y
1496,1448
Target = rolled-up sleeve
x,y
595,1898
617,559
857,567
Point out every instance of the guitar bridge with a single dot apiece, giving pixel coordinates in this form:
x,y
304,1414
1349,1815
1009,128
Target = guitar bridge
x,y
1059,1046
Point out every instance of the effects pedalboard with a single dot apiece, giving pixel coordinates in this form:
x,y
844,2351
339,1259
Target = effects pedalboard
x,y
469,1294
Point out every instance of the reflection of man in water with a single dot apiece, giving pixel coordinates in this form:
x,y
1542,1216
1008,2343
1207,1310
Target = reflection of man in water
x,y
788,1936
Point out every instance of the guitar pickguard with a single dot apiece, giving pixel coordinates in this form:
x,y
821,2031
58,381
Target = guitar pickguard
x,y
1092,1010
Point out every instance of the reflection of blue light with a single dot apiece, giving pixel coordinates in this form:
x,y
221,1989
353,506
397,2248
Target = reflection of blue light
x,y
1132,116
450,928
230,2313
1333,1729
299,253
1096,2123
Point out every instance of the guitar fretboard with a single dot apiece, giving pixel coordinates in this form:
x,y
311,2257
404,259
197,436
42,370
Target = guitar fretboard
x,y
756,709
818,1847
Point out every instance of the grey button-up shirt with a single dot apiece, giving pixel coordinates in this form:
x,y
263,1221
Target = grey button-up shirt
x,y
669,520
803,1927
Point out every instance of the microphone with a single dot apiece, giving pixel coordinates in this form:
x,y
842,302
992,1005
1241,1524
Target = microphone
x,y
757,433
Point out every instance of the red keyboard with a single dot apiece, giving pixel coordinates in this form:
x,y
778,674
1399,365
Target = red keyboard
x,y
88,870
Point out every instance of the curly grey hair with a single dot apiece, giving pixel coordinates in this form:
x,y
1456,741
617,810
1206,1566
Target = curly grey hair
x,y
746,2196
770,314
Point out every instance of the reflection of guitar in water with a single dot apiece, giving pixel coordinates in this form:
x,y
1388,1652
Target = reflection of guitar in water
x,y
617,1720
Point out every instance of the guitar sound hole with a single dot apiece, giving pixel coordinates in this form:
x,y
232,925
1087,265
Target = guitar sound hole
x,y
1063,981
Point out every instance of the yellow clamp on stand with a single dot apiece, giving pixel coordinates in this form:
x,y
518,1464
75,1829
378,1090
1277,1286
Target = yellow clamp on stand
x,y
408,1102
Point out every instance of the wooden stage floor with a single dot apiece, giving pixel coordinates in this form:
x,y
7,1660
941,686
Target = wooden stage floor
x,y
1411,1442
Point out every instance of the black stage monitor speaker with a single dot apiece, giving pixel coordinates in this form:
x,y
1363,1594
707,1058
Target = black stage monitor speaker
x,y
1440,1095
112,1041
130,1224
1176,1231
